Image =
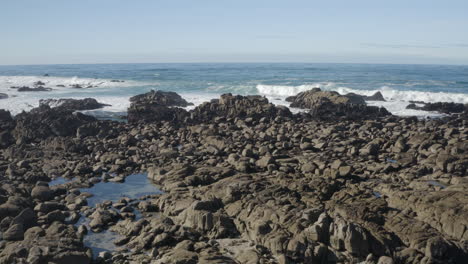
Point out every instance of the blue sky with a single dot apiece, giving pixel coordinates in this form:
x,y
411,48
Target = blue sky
x,y
111,31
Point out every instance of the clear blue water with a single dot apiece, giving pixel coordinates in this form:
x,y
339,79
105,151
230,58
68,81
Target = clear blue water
x,y
135,186
201,82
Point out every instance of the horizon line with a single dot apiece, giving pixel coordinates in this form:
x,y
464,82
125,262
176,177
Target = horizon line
x,y
231,62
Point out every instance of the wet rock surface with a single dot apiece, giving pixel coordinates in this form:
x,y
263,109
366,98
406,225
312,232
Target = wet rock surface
x,y
72,104
442,107
243,181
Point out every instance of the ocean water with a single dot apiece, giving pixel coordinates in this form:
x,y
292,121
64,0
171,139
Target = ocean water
x,y
197,83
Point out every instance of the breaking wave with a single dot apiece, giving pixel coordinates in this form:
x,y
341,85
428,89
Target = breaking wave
x,y
388,93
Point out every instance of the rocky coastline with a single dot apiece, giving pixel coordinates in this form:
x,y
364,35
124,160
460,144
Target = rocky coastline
x,y
243,181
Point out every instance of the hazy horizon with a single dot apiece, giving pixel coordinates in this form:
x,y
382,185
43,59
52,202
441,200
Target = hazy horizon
x,y
97,32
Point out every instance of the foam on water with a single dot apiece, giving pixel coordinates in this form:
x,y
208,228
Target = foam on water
x,y
101,89
388,93
197,86
52,81
396,100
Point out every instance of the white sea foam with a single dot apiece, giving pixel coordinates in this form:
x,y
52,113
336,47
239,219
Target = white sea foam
x,y
51,81
396,100
19,101
388,93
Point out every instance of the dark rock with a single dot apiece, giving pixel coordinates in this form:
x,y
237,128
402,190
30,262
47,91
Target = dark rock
x,y
442,107
155,113
3,96
42,193
159,98
375,97
155,107
36,89
73,104
43,122
331,105
230,106
15,232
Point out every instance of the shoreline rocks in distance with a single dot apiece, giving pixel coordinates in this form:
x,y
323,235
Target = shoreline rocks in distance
x,y
157,106
441,107
73,104
327,105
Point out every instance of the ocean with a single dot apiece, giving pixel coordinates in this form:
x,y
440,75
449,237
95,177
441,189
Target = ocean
x,y
114,84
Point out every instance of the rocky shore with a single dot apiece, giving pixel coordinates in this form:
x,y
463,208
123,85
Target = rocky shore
x,y
243,181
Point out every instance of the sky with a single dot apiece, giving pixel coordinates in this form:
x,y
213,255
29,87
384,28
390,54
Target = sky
x,y
123,31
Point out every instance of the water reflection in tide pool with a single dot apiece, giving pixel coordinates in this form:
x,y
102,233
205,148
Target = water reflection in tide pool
x,y
135,186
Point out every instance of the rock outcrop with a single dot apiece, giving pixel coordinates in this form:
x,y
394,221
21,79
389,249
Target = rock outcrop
x,y
330,105
237,106
72,104
160,98
43,122
442,107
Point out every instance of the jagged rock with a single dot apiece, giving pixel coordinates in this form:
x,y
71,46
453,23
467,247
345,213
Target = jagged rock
x,y
330,105
157,106
442,107
237,106
44,122
35,89
375,97
73,104
159,98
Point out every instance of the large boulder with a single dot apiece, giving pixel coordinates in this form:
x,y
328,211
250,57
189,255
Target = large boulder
x,y
155,113
73,104
43,122
375,97
160,98
309,99
332,105
157,106
237,106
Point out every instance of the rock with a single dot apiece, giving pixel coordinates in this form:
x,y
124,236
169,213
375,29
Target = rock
x,y
375,97
385,260
42,193
159,98
44,122
27,218
15,232
102,218
35,89
72,104
3,96
146,112
237,106
330,105
264,161
442,107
